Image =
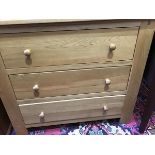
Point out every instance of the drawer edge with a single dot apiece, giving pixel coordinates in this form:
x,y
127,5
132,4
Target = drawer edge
x,y
68,67
72,121
63,26
68,97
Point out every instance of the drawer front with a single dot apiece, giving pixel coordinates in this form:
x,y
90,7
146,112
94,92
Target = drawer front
x,y
70,82
72,109
67,47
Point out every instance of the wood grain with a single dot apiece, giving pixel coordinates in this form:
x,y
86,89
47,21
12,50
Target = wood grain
x,y
141,53
65,26
50,21
70,82
9,101
72,121
67,47
68,67
75,46
30,21
70,97
72,109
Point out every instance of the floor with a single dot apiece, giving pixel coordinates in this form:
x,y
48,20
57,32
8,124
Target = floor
x,y
111,127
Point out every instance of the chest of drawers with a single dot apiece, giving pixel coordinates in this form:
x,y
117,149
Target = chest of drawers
x,y
71,71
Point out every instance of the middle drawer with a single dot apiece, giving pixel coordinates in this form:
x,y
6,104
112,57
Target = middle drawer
x,y
69,82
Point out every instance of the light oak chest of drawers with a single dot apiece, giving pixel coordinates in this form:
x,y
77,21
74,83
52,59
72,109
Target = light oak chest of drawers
x,y
71,71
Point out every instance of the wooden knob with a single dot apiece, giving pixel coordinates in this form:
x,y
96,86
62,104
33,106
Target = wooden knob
x,y
107,81
105,107
36,87
41,115
27,52
112,47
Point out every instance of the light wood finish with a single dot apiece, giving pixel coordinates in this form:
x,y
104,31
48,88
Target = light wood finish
x,y
77,55
14,22
68,67
141,53
72,121
151,24
70,82
72,109
69,97
9,101
113,22
72,47
63,26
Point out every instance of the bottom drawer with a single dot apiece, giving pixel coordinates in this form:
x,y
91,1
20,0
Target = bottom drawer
x,y
72,109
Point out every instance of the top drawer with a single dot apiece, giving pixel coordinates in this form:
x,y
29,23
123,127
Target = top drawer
x,y
67,47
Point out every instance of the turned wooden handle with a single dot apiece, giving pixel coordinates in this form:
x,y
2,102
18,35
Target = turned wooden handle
x,y
112,47
27,52
105,107
41,115
107,81
36,87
